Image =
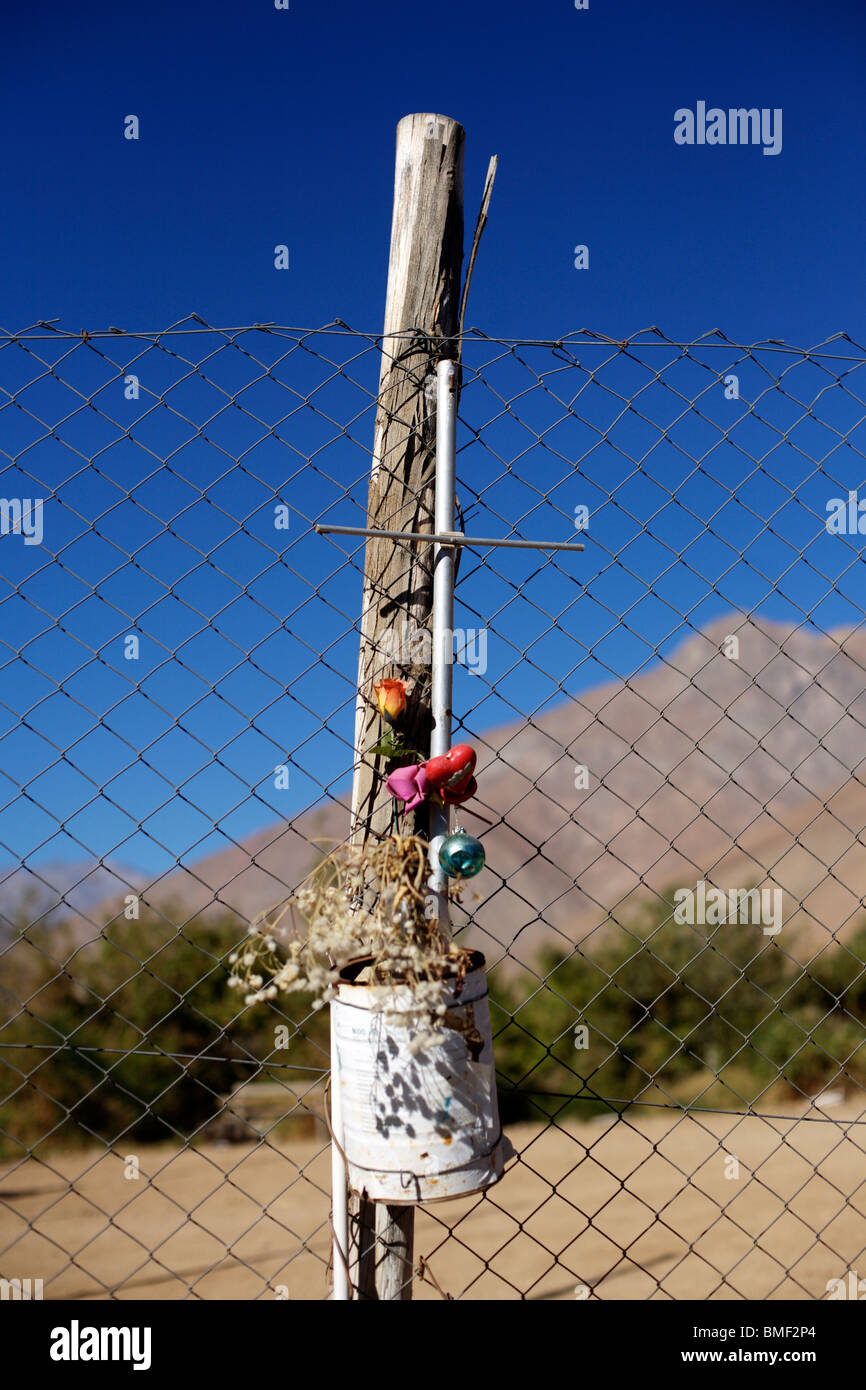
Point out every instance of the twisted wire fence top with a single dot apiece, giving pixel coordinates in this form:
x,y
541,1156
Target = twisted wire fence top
x,y
681,704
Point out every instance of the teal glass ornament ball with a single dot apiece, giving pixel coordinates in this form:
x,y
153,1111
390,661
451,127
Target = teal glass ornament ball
x,y
461,855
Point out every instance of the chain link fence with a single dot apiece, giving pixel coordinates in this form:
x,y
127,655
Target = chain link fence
x,y
671,729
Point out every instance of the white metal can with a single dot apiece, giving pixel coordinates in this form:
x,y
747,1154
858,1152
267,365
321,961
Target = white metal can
x,y
423,1126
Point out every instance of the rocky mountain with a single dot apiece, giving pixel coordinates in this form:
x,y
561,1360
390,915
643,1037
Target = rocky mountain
x,y
63,891
742,767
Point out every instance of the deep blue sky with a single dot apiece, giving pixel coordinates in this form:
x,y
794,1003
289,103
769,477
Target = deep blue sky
x,y
261,127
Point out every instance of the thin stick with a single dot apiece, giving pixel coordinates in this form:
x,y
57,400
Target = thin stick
x,y
479,228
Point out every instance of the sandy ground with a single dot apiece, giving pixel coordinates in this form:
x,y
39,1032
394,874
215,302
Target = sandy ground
x,y
635,1208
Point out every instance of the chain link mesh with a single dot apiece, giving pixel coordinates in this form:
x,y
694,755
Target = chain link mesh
x,y
676,715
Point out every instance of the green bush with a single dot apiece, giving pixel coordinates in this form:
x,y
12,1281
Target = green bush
x,y
668,1008
154,1036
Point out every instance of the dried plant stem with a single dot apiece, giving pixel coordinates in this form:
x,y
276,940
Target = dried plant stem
x,y
361,900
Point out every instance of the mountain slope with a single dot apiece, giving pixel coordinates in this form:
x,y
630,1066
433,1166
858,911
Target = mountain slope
x,y
742,771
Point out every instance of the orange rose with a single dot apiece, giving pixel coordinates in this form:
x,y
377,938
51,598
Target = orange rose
x,y
391,699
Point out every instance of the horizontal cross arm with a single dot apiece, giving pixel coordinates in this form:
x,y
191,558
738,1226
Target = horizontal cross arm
x,y
450,538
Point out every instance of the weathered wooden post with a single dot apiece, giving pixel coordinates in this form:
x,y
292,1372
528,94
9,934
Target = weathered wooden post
x,y
421,320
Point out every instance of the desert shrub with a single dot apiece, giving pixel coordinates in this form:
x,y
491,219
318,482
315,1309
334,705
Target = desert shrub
x,y
152,1037
712,1015
135,1034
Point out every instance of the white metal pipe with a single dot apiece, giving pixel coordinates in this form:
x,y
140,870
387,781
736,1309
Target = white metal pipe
x,y
339,1182
442,665
449,537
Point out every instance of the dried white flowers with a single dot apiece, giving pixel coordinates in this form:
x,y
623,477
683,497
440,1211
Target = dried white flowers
x,y
361,901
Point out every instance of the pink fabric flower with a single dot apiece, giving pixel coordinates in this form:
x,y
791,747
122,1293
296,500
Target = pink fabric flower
x,y
408,784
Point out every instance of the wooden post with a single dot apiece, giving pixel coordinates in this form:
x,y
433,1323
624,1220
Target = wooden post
x,y
421,319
